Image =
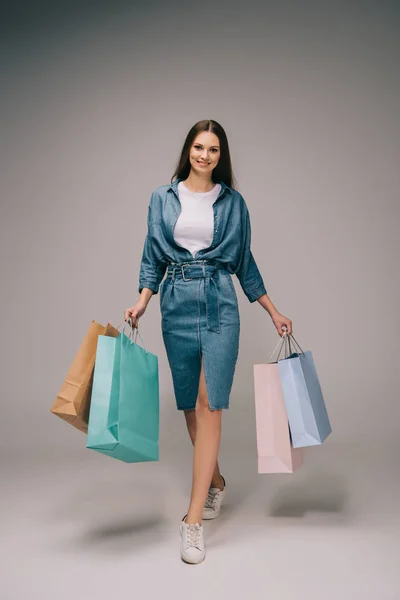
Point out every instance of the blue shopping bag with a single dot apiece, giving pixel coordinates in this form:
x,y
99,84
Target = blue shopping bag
x,y
124,411
305,405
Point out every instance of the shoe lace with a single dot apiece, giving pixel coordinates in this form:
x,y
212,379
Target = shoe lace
x,y
193,535
211,499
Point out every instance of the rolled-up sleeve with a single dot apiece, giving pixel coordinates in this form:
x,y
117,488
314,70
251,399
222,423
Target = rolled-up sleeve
x,y
153,264
248,273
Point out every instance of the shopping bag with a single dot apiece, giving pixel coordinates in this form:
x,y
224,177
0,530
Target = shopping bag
x,y
124,410
305,405
274,449
73,400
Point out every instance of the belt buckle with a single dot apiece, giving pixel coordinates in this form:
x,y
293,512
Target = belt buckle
x,y
183,272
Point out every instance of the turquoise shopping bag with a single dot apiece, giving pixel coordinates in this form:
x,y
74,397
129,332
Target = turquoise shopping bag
x,y
305,405
124,411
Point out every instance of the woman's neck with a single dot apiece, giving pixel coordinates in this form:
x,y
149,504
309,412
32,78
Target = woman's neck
x,y
198,184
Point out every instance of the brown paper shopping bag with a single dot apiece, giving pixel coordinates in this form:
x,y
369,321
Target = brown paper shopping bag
x,y
73,401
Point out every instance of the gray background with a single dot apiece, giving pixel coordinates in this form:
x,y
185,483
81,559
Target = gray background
x,y
96,102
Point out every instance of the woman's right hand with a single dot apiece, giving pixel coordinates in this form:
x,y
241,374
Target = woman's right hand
x,y
135,312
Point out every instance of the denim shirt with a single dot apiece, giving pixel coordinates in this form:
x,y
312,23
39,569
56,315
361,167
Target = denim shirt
x,y
230,245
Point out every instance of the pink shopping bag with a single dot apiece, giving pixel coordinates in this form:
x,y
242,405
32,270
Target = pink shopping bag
x,y
274,449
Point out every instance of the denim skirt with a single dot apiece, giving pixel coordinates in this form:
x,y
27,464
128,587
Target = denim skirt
x,y
200,318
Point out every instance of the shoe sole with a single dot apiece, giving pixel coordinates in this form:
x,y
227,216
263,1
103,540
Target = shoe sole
x,y
213,516
190,562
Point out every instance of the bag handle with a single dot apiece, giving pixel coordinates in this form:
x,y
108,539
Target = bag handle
x,y
289,337
296,343
130,336
281,342
137,333
285,341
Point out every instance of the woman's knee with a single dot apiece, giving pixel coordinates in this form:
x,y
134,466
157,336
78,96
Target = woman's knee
x,y
203,406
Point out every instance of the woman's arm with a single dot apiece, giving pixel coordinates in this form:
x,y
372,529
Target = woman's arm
x,y
251,279
266,303
152,269
248,272
145,296
152,265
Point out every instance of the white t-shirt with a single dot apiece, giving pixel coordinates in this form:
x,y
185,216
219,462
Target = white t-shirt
x,y
194,228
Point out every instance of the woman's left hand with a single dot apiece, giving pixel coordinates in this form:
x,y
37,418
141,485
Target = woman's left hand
x,y
280,321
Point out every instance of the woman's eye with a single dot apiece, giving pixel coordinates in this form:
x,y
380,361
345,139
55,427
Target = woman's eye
x,y
212,149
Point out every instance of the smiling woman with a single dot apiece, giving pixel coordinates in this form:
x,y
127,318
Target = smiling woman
x,y
205,152
199,235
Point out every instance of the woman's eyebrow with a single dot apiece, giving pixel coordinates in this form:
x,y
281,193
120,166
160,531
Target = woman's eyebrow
x,y
198,144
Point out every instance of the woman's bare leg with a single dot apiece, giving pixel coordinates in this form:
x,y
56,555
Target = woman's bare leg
x,y
190,416
207,439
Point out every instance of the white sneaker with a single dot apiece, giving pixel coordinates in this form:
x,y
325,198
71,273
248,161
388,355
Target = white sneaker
x,y
213,503
192,542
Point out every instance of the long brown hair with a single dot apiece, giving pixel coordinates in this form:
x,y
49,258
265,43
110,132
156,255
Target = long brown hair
x,y
223,170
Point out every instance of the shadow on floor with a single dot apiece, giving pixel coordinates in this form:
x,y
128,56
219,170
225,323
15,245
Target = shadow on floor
x,y
119,537
320,492
120,529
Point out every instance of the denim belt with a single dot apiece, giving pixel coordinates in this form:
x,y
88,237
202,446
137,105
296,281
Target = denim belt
x,y
196,269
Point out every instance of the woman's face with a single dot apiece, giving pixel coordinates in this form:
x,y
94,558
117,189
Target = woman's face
x,y
204,153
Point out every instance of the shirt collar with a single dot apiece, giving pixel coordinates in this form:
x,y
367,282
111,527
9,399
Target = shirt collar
x,y
174,185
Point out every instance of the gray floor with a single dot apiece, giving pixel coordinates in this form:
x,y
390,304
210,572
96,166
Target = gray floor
x,y
77,524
